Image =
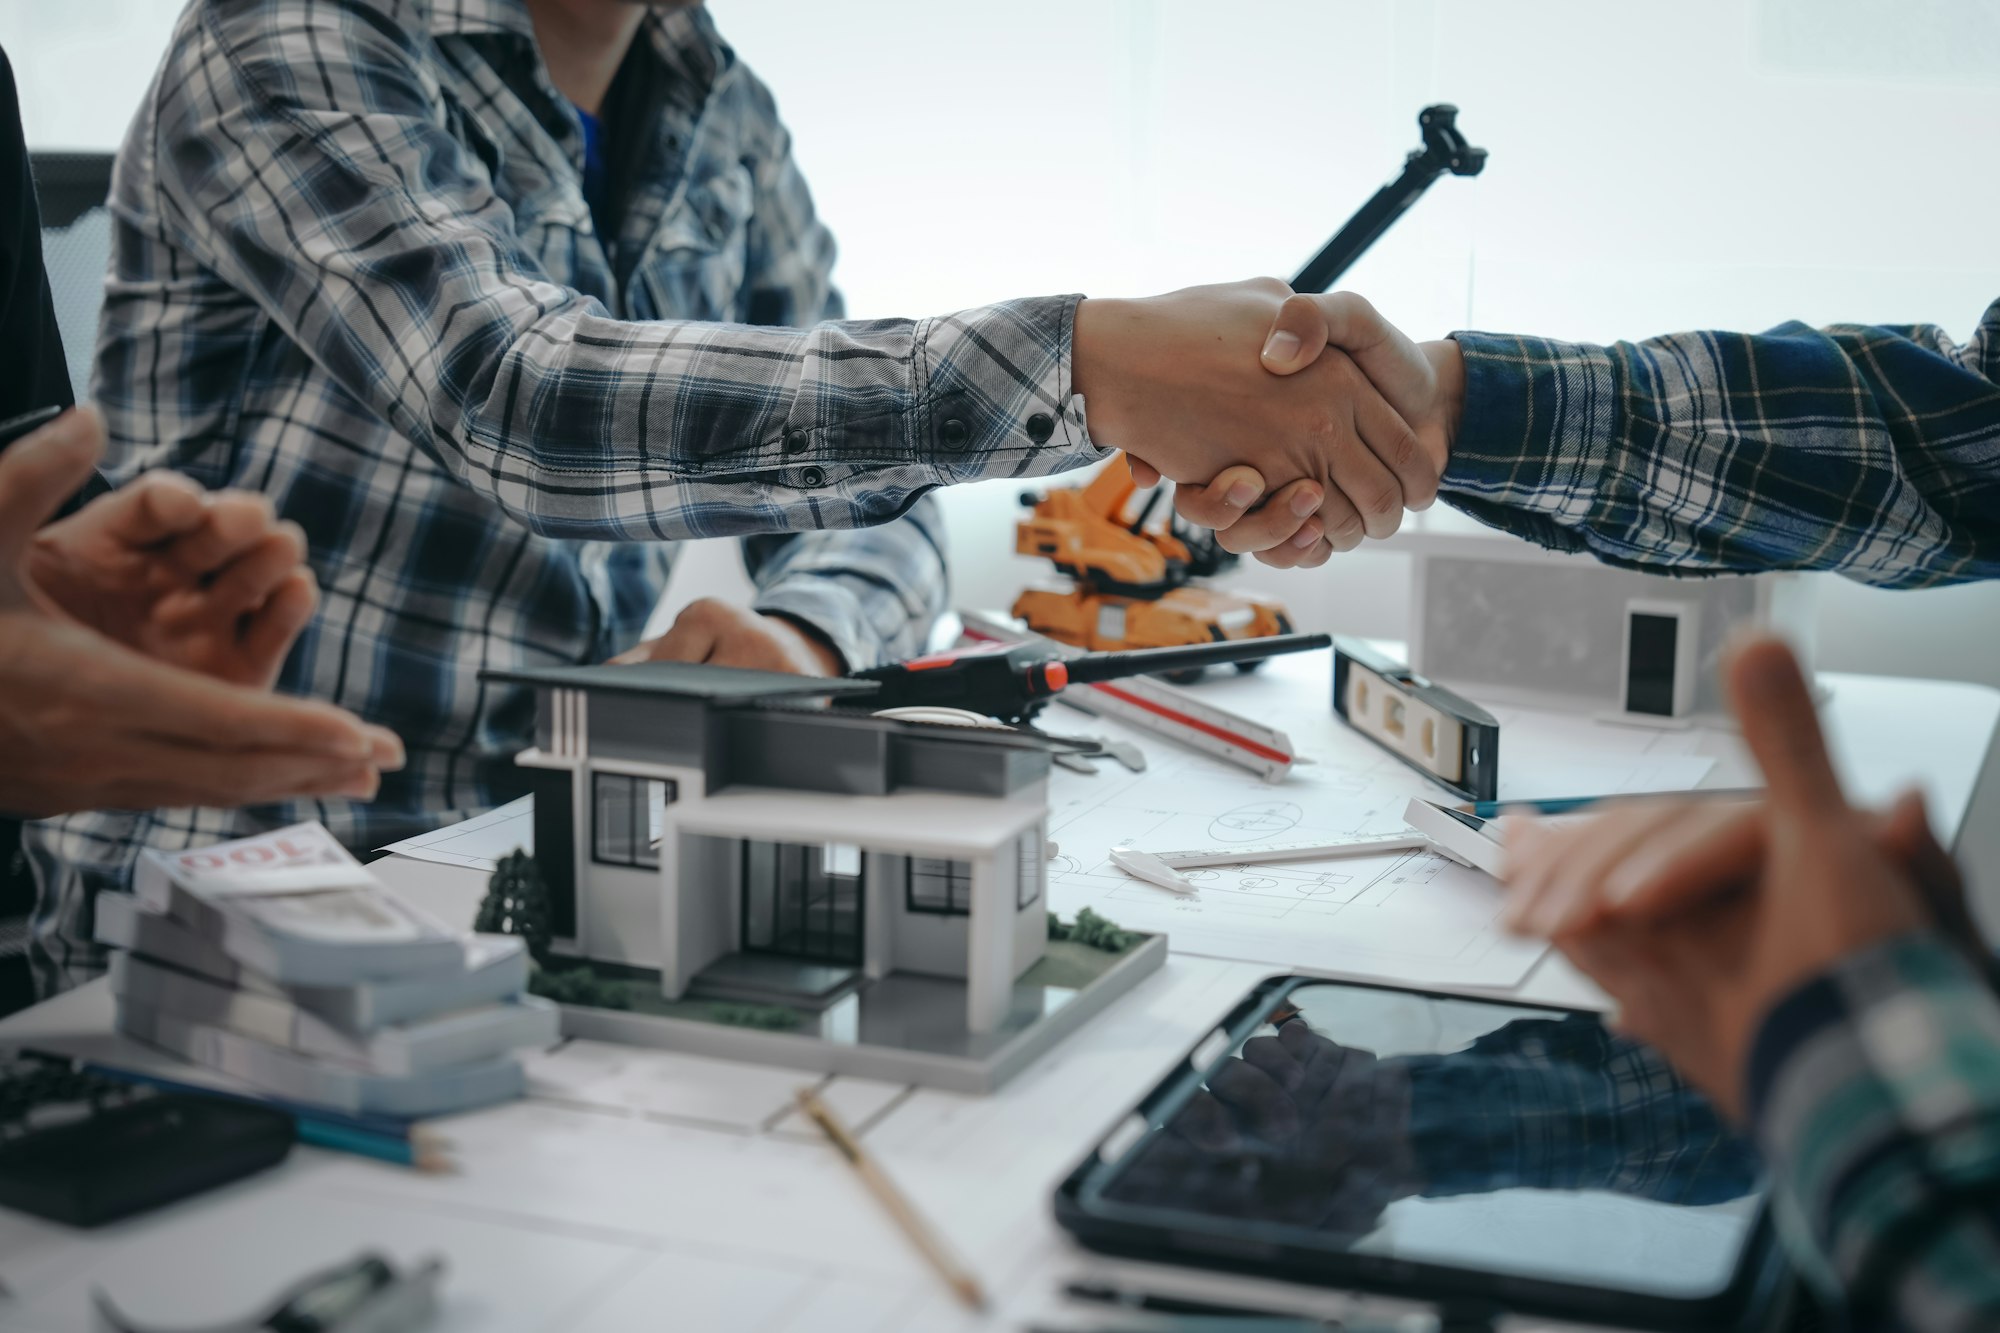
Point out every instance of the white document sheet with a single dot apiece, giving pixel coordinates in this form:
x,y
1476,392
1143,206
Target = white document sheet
x,y
477,843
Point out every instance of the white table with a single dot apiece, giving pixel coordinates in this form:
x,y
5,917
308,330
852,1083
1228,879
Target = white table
x,y
641,1189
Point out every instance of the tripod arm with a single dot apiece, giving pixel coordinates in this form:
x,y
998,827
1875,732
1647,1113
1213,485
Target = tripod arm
x,y
1445,150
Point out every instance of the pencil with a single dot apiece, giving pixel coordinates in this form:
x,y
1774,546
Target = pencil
x,y
425,1152
900,1209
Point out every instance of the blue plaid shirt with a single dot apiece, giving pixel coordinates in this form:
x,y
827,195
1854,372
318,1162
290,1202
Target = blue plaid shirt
x,y
354,269
1874,452
1870,451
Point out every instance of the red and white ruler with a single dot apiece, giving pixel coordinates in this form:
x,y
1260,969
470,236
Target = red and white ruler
x,y
1155,706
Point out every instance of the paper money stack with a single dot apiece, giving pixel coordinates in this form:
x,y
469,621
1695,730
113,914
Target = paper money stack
x,y
278,960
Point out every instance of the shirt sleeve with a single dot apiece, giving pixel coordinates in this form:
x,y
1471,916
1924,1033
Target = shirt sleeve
x,y
873,592
1874,1092
1870,451
304,155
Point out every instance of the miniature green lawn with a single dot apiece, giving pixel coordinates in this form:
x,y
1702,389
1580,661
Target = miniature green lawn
x,y
582,984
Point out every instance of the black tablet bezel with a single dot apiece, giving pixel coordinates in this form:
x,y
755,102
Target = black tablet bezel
x,y
1757,1288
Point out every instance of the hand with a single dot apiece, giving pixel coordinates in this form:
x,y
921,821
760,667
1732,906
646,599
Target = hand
x,y
87,723
1424,384
1650,860
1698,982
1170,381
212,583
713,631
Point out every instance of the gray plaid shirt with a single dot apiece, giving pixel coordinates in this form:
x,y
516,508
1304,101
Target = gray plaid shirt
x,y
354,270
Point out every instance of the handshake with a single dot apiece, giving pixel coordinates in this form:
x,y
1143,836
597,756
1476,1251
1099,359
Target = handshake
x,y
1293,425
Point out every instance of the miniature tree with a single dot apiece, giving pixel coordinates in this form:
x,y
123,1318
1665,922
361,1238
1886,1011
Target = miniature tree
x,y
517,903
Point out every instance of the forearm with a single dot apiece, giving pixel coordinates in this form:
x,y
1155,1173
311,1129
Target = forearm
x,y
1864,450
1874,1092
873,593
373,241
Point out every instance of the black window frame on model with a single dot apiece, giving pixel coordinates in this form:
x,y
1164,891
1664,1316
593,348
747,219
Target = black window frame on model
x,y
955,879
635,804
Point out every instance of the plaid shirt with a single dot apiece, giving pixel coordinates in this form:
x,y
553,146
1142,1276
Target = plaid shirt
x,y
354,270
1873,452
1875,1092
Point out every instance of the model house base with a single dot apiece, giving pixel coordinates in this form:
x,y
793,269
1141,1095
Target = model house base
x,y
904,1028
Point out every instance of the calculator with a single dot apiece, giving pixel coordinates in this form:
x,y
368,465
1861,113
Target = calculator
x,y
84,1148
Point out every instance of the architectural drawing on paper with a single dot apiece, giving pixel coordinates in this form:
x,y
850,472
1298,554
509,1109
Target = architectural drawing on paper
x,y
770,877
1408,916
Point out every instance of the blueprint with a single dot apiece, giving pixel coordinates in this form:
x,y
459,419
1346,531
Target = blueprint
x,y
1407,916
1411,917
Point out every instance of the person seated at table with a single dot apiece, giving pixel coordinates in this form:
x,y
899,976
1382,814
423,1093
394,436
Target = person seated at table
x,y
1814,967
499,302
1867,450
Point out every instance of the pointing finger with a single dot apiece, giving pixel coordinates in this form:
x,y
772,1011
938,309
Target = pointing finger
x,y
1774,706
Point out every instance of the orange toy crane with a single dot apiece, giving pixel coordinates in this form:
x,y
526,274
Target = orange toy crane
x,y
1129,578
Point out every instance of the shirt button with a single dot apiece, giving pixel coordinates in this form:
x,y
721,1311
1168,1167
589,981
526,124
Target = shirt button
x,y
796,441
1040,427
812,476
953,434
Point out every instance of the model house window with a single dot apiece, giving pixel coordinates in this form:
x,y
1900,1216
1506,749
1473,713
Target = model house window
x,y
1029,869
627,814
941,886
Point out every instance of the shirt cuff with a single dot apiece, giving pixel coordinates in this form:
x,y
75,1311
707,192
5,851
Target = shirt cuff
x,y
996,389
1874,1094
1535,437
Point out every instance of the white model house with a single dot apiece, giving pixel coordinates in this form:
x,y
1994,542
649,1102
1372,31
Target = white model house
x,y
1506,621
726,829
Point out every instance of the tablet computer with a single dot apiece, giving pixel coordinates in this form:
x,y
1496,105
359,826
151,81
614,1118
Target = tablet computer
x,y
1480,1155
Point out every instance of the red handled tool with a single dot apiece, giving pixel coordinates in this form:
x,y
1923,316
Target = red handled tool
x,y
1012,682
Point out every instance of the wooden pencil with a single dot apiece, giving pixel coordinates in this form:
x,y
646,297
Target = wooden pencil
x,y
921,1233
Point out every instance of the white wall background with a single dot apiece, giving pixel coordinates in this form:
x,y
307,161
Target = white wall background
x,y
1713,163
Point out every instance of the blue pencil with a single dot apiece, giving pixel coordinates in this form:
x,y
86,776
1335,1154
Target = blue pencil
x,y
1562,805
414,1150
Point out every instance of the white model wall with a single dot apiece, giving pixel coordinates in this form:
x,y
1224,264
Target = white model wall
x,y
1727,163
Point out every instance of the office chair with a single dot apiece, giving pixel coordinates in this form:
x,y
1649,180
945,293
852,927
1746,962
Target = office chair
x,y
76,248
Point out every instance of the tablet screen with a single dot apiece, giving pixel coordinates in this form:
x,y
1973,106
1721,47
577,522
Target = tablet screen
x,y
1462,1133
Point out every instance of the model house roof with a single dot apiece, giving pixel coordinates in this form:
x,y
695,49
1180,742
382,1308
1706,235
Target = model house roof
x,y
683,680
